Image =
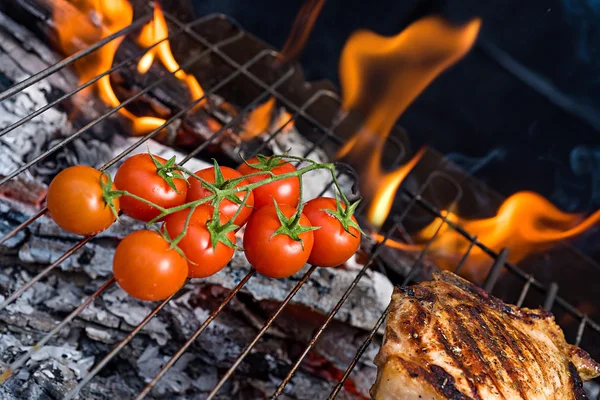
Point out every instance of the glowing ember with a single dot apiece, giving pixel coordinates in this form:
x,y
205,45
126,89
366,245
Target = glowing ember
x,y
381,77
258,120
284,121
84,22
526,223
301,29
81,24
261,120
157,31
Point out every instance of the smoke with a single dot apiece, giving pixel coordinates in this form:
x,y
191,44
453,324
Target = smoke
x,y
474,164
585,162
583,15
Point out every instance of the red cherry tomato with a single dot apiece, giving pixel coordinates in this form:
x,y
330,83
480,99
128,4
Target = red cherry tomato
x,y
285,191
333,244
276,256
76,202
138,175
227,207
197,245
145,268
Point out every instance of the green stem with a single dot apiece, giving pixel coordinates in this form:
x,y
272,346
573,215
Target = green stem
x,y
186,224
138,198
210,186
239,210
307,160
168,211
274,178
337,185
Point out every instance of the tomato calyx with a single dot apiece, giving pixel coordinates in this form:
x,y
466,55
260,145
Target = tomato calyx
x,y
291,226
266,163
168,171
221,185
218,233
108,194
344,216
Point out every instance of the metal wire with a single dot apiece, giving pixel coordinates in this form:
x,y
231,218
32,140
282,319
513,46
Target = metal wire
x,y
47,270
18,363
266,326
328,134
71,59
194,336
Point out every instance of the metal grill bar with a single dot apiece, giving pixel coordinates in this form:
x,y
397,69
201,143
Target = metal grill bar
x,y
267,90
246,351
94,371
463,260
194,336
114,68
43,273
361,350
18,363
38,277
495,271
550,296
363,270
524,291
71,59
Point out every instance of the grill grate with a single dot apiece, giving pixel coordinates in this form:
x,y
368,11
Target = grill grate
x,y
552,298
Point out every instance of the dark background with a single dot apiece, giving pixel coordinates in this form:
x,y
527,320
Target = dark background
x,y
520,112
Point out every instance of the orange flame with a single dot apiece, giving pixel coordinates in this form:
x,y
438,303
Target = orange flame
x,y
526,223
258,120
261,120
381,77
81,23
301,29
157,31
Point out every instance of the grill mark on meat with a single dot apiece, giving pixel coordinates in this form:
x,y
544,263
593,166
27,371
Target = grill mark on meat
x,y
451,338
490,340
523,342
576,383
465,336
438,377
483,363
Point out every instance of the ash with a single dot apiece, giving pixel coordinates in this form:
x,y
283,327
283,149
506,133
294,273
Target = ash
x,y
57,367
54,369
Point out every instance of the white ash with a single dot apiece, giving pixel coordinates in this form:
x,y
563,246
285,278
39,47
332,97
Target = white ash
x,y
294,144
120,144
321,291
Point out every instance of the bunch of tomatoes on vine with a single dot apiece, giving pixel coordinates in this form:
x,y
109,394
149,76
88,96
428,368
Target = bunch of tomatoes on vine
x,y
192,218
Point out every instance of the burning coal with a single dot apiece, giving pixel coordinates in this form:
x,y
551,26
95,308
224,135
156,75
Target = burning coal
x,y
83,23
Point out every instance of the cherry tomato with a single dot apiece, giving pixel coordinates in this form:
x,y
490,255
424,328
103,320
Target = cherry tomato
x,y
76,203
333,244
138,175
285,191
279,256
227,207
197,245
145,268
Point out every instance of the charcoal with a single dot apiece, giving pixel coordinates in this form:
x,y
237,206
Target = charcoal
x,y
111,317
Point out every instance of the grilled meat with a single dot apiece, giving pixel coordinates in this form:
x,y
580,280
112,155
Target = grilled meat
x,y
448,339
